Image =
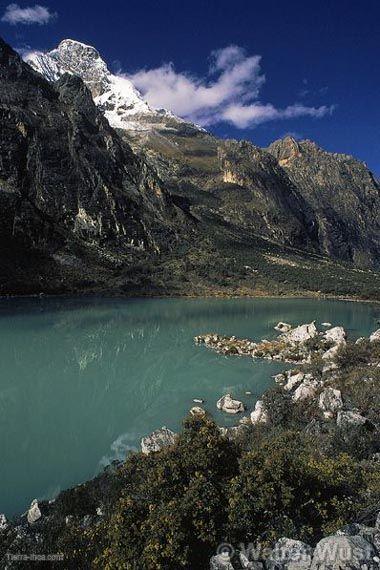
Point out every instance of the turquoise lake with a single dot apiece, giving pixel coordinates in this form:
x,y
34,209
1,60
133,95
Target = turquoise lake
x,y
82,380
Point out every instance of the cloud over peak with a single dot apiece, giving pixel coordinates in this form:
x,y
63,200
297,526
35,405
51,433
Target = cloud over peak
x,y
229,93
37,14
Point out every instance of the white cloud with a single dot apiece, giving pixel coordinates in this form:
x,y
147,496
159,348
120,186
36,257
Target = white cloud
x,y
229,92
37,14
244,116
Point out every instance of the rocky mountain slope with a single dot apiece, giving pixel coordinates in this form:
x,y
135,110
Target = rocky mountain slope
x,y
71,189
343,195
99,191
305,197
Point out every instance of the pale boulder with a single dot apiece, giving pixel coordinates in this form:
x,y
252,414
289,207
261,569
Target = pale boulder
x,y
3,522
330,401
350,419
375,336
308,389
331,353
197,411
337,335
344,553
301,334
229,405
294,380
34,512
259,414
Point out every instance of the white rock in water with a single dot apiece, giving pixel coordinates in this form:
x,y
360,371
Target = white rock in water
x,y
330,401
375,336
229,405
337,335
283,327
157,440
198,401
34,512
197,411
301,334
308,389
259,414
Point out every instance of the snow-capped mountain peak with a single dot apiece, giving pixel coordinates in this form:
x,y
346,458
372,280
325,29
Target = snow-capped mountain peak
x,y
116,95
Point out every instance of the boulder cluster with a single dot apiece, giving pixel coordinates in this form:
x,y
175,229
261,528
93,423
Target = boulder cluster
x,y
292,345
355,546
295,344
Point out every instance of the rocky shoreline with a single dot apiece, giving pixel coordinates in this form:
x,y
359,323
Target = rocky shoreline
x,y
318,382
297,345
355,545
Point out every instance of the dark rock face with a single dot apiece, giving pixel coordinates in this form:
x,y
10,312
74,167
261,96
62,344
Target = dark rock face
x,y
66,178
343,194
258,193
75,198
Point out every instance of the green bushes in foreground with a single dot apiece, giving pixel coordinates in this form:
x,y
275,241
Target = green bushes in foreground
x,y
174,507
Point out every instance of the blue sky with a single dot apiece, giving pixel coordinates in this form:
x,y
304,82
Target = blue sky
x,y
317,75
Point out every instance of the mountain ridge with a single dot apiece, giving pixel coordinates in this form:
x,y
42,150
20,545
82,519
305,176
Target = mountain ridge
x,y
171,210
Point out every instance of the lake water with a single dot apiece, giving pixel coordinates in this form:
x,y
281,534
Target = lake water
x,y
82,380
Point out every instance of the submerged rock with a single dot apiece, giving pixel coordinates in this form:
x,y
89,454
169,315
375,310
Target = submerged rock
x,y
157,440
34,512
229,405
227,345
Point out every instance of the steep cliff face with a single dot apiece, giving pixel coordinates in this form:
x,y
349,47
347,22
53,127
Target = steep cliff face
x,y
66,178
258,194
343,194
